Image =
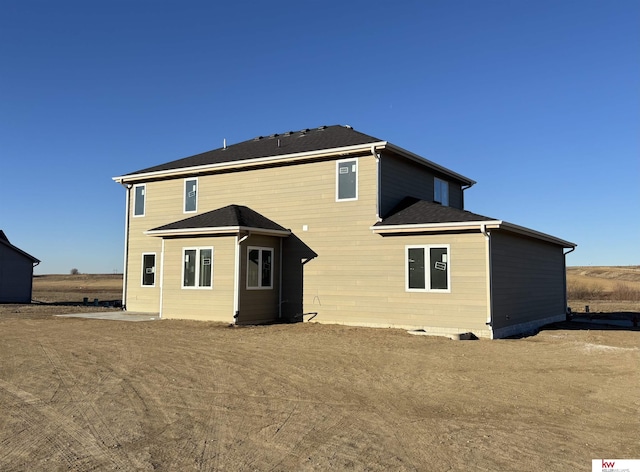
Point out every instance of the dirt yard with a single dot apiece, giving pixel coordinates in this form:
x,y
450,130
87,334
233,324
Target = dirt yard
x,y
93,395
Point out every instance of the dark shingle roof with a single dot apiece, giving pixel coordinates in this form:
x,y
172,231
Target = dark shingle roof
x,y
412,211
5,241
229,216
324,137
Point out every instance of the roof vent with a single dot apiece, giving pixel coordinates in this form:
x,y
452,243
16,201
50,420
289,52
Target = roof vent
x,y
274,135
348,126
258,138
321,128
288,133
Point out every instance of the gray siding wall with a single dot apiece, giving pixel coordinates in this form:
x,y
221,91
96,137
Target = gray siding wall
x,y
402,178
16,276
528,280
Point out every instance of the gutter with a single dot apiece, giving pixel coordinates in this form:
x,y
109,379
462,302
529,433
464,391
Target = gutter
x,y
378,158
217,230
469,225
341,151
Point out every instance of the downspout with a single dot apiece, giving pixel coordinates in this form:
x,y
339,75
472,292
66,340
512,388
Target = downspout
x,y
378,158
236,278
126,245
280,284
564,279
463,188
489,277
161,279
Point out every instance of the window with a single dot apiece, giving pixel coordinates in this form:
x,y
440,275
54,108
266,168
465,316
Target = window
x,y
149,270
259,268
190,195
441,191
347,180
197,269
138,199
427,268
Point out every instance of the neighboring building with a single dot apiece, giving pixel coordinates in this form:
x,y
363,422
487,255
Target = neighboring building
x,y
16,273
334,223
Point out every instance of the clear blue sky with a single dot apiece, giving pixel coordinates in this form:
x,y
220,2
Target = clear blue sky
x,y
538,101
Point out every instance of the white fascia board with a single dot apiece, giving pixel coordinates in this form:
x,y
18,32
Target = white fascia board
x,y
467,225
426,227
427,162
217,230
341,151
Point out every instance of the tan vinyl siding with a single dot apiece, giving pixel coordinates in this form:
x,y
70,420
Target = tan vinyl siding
x,y
528,281
214,303
259,305
402,178
352,276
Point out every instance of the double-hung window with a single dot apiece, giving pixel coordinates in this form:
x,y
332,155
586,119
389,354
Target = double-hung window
x,y
259,268
190,195
347,180
149,270
441,191
428,268
197,267
138,199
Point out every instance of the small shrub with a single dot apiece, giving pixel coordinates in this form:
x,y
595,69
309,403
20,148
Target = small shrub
x,y
580,291
74,271
625,292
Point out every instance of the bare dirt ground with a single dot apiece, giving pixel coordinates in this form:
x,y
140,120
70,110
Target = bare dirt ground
x,y
93,395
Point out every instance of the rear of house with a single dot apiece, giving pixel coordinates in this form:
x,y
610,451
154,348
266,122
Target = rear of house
x,y
336,225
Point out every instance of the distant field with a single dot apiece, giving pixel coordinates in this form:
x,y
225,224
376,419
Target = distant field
x,y
74,288
604,288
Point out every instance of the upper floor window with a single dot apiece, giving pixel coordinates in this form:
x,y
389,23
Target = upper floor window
x,y
149,270
138,199
259,268
197,268
441,191
427,268
347,180
190,195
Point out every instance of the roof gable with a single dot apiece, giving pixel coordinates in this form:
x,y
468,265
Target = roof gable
x,y
5,242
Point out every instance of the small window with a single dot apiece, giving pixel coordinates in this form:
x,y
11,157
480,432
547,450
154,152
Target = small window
x,y
427,268
259,268
347,180
149,270
441,191
190,195
138,199
197,269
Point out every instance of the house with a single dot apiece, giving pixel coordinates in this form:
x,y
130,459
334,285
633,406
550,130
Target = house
x,y
333,224
16,272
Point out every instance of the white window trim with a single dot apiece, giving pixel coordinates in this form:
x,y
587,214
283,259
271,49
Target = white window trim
x,y
155,273
259,248
184,195
427,275
197,275
444,196
338,199
135,198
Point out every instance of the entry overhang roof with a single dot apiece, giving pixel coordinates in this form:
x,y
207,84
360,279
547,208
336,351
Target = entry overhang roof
x,y
232,219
